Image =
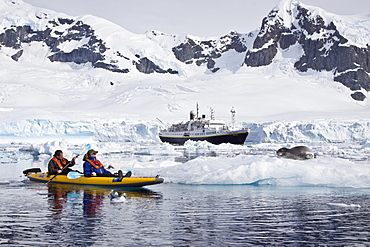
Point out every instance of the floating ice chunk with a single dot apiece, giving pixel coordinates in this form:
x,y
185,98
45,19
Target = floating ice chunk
x,y
343,205
116,198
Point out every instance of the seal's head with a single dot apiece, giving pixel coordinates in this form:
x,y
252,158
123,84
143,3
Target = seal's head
x,y
282,151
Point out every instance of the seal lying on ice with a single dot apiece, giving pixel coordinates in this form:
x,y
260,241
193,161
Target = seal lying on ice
x,y
297,153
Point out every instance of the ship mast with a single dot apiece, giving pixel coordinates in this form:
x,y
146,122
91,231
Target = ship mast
x,y
233,116
212,116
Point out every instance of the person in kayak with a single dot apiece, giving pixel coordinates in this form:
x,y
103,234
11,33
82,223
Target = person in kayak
x,y
58,165
93,165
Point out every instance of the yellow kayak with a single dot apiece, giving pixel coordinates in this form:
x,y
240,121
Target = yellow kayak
x,y
97,181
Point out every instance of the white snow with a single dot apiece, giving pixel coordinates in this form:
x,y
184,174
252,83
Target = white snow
x,y
355,28
48,106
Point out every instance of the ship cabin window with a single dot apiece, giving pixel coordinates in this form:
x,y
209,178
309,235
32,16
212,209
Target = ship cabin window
x,y
216,125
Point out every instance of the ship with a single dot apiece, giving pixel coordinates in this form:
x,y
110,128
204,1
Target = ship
x,y
203,129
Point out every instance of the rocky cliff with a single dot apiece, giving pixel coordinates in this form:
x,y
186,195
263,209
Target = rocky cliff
x,y
324,47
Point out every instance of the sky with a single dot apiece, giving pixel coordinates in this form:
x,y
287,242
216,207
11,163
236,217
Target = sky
x,y
201,18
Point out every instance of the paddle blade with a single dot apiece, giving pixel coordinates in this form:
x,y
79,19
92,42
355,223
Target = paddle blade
x,y
128,173
31,170
86,148
74,175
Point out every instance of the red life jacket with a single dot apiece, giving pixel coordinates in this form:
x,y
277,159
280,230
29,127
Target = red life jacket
x,y
96,164
61,166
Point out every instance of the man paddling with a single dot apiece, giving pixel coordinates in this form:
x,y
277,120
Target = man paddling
x,y
59,165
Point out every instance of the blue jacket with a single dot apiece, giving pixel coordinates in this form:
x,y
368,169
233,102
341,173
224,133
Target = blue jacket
x,y
89,169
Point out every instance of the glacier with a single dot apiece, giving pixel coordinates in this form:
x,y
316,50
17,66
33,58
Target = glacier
x,y
123,130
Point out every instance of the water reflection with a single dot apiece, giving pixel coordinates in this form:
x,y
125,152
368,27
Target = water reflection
x,y
64,196
92,203
78,213
57,199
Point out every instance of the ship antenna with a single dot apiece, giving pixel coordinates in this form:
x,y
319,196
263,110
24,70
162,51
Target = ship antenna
x,y
212,116
162,123
233,116
197,111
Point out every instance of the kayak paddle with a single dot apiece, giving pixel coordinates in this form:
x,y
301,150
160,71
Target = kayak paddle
x,y
74,175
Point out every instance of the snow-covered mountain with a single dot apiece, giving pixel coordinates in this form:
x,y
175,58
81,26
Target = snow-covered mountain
x,y
316,39
93,42
73,76
326,42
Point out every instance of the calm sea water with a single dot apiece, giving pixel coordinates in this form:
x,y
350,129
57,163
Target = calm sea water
x,y
34,214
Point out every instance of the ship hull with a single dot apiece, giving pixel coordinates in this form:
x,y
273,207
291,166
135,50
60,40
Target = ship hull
x,y
234,137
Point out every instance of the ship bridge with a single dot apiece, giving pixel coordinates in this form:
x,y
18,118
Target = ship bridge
x,y
217,124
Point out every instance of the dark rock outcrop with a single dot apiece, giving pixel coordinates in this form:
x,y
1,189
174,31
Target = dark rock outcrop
x,y
110,67
205,52
147,66
325,49
261,57
91,51
78,56
16,56
359,96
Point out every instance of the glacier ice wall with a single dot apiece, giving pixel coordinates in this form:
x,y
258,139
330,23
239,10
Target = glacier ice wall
x,y
147,131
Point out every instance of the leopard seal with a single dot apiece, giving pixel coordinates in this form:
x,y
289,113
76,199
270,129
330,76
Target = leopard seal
x,y
296,153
